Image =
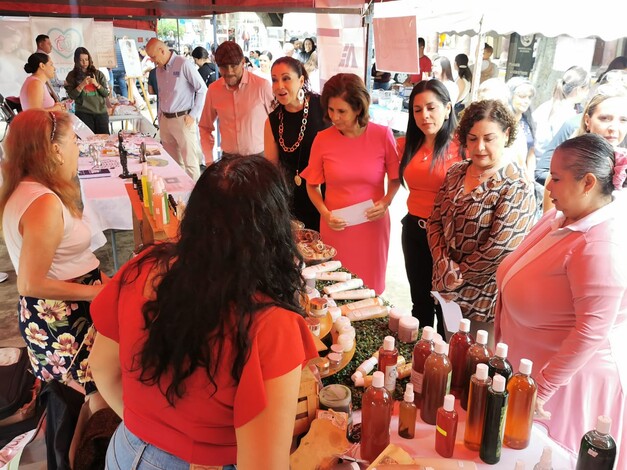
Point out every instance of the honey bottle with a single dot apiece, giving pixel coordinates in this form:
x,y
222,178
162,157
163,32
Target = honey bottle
x,y
437,382
422,350
477,398
478,353
376,414
522,391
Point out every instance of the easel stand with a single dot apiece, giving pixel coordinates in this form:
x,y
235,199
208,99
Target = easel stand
x,y
131,82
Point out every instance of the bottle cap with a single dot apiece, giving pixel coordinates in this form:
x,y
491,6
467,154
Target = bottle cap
x,y
520,465
388,343
396,312
525,366
547,456
501,350
409,393
604,423
498,383
441,347
378,379
482,337
427,333
482,371
449,402
356,376
464,325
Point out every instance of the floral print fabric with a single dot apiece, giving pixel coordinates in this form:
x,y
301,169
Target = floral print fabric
x,y
54,331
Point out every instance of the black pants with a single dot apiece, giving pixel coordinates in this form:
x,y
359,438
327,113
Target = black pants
x,y
98,123
419,268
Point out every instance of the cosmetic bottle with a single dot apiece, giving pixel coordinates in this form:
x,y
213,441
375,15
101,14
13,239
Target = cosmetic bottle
x,y
493,425
477,399
458,347
598,449
522,391
407,414
446,427
422,350
437,382
478,353
376,414
498,364
388,357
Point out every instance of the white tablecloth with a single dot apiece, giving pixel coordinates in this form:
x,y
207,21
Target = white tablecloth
x,y
423,445
107,205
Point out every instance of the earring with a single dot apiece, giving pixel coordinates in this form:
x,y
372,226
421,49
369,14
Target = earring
x,y
301,95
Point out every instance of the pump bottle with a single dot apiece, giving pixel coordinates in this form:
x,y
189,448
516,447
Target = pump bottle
x,y
407,414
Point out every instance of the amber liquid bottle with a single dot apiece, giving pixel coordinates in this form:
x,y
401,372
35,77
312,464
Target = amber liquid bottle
x,y
522,391
446,427
437,382
422,350
477,399
477,353
494,425
458,346
407,412
388,356
376,413
498,364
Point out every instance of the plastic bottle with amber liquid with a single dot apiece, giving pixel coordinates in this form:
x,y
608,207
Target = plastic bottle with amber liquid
x,y
422,350
446,427
376,414
522,391
407,412
598,449
477,399
478,353
458,346
494,423
437,382
498,364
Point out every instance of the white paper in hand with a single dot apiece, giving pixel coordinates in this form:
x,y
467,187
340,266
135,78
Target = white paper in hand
x,y
450,311
355,214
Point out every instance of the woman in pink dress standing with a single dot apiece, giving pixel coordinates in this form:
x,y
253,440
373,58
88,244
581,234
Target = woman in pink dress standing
x,y
563,296
353,157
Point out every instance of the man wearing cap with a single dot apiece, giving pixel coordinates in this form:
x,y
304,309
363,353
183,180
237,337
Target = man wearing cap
x,y
242,102
181,97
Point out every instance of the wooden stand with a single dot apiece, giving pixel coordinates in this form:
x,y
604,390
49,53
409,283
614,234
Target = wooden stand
x,y
131,86
145,231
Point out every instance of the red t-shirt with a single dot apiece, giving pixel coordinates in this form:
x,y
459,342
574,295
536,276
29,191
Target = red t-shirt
x,y
422,181
200,428
425,66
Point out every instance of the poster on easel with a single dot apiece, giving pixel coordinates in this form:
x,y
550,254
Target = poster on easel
x,y
130,57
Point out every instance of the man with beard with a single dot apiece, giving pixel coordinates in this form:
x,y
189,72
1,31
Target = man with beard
x,y
242,102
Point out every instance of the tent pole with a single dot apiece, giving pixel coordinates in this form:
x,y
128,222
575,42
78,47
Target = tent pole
x,y
476,74
369,46
178,37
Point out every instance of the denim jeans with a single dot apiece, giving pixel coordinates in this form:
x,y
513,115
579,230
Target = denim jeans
x,y
128,452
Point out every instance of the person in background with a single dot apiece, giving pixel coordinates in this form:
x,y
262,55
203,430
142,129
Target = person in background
x,y
482,212
569,92
88,87
181,97
207,69
427,152
423,62
187,52
488,68
618,63
309,55
254,57
441,69
119,73
34,92
290,131
464,83
44,46
265,62
381,80
288,49
353,157
522,93
604,115
48,243
208,377
242,102
563,296
298,48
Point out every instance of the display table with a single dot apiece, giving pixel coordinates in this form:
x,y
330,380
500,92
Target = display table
x,y
423,445
396,120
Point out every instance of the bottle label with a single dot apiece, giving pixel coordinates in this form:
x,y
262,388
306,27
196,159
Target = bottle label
x,y
390,377
416,381
441,431
592,452
448,382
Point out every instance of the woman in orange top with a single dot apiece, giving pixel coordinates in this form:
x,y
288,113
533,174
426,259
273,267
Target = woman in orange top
x,y
428,151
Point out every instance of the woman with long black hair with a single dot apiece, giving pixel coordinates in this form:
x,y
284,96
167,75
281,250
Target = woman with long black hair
x,y
428,151
199,347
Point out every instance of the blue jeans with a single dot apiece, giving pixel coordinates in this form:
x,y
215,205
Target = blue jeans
x,y
128,452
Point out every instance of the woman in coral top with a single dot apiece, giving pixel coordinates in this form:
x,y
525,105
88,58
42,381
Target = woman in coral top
x,y
353,158
199,345
428,151
563,295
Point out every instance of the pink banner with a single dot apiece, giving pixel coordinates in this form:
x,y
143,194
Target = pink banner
x,y
396,44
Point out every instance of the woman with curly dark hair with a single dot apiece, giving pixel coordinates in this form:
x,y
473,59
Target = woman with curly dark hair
x,y
199,347
290,131
88,87
481,213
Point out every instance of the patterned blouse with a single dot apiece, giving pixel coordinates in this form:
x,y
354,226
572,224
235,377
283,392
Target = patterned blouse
x,y
469,234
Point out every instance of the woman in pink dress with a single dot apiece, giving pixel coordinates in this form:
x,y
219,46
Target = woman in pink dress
x,y
563,296
353,158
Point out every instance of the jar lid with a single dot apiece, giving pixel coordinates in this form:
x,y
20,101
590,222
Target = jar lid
x,y
409,323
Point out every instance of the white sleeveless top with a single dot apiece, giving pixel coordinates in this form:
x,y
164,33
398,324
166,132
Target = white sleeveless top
x,y
73,257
